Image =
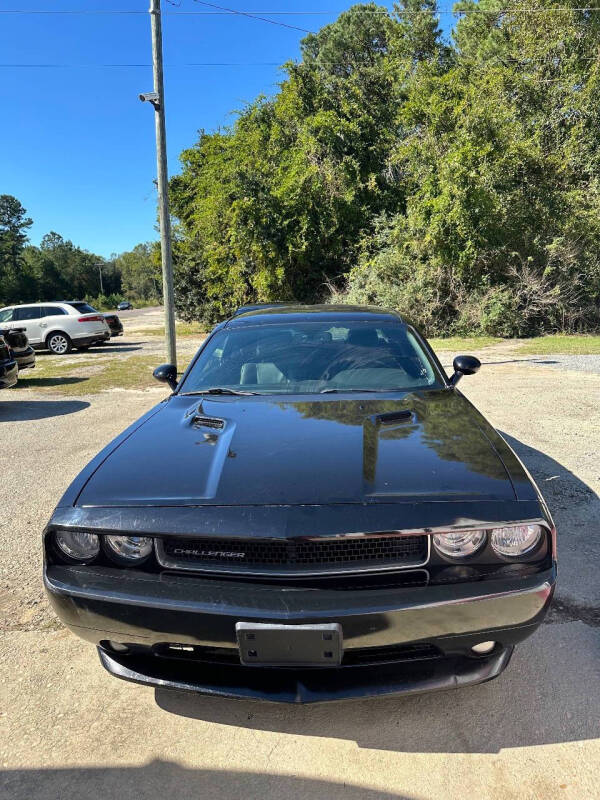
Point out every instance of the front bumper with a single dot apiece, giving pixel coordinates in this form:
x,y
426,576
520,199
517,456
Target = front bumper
x,y
9,372
149,612
307,686
25,358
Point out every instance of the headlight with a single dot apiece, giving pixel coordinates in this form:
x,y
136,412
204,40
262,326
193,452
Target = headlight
x,y
128,549
516,540
77,545
459,544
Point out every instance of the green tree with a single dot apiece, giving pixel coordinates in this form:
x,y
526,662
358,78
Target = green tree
x,y
456,181
276,206
60,269
13,237
140,272
501,227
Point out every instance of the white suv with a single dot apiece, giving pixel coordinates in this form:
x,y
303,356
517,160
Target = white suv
x,y
59,326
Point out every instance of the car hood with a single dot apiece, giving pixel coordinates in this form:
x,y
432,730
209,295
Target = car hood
x,y
430,445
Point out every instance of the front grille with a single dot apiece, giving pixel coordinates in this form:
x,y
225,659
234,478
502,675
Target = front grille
x,y
389,654
293,556
354,657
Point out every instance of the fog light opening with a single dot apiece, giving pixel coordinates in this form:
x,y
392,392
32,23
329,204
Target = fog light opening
x,y
483,648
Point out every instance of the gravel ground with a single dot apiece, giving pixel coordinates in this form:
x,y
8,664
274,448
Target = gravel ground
x,y
68,730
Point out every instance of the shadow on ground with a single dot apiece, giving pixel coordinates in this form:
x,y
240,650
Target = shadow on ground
x,y
163,778
39,409
524,360
549,693
113,347
520,361
116,347
31,382
575,507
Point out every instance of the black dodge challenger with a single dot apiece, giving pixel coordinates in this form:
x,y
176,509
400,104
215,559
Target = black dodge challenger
x,y
315,512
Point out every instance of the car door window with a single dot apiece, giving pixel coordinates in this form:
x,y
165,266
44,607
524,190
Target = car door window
x,y
22,314
83,308
6,315
52,311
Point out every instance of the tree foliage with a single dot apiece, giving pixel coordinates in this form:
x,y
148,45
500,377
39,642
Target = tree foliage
x,y
457,182
140,272
13,227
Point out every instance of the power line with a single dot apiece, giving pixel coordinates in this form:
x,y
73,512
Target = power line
x,y
507,60
252,16
185,64
222,11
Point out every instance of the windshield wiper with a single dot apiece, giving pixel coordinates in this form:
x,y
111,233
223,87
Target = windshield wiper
x,y
218,390
343,391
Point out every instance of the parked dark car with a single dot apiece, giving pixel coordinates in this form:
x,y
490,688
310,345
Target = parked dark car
x,y
114,323
124,305
17,340
315,512
9,369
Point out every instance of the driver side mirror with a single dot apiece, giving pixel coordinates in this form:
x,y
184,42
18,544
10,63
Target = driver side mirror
x,y
464,365
167,373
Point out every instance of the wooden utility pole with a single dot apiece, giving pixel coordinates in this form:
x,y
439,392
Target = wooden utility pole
x,y
157,98
99,265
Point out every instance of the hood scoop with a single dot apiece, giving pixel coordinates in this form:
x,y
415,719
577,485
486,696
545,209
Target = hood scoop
x,y
393,417
398,424
199,419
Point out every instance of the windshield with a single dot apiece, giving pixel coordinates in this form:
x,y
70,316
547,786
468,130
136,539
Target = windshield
x,y
312,357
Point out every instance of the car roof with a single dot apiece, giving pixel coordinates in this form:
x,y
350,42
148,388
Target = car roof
x,y
312,313
44,303
259,306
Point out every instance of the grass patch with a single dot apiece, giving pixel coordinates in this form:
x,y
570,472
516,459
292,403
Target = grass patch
x,y
561,344
463,343
90,377
181,329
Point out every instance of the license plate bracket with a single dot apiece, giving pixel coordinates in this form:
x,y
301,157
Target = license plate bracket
x,y
266,645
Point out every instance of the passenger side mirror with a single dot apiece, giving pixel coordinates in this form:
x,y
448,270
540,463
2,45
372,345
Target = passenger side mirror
x,y
167,373
464,365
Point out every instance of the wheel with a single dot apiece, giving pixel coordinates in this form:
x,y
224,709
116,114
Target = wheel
x,y
58,343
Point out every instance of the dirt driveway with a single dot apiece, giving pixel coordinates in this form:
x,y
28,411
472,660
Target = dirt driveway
x,y
68,730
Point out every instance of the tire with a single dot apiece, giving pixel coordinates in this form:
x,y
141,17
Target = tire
x,y
59,343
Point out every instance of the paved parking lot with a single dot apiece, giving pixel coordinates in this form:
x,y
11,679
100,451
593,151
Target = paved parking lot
x,y
68,730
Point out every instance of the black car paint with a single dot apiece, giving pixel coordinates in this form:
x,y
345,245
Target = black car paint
x,y
17,340
331,449
114,323
291,466
9,368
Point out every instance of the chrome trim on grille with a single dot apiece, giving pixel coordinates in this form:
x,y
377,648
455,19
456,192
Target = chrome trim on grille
x,y
223,569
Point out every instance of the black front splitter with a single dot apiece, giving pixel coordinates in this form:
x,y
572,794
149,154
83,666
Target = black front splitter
x,y
308,685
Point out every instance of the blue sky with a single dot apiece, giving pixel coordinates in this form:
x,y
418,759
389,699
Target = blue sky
x,y
76,144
